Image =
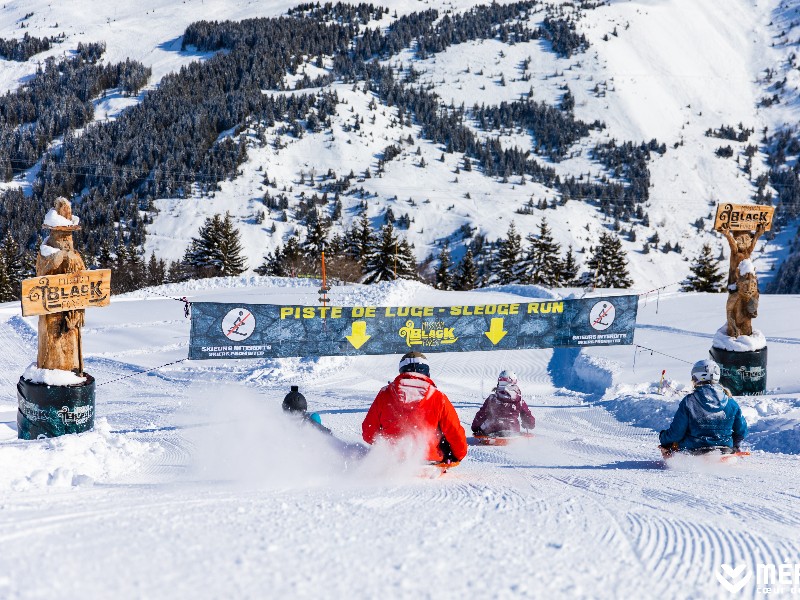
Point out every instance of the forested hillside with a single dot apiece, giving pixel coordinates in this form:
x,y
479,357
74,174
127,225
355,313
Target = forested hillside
x,y
267,86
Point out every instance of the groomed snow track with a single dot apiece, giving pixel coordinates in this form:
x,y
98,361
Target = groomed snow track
x,y
209,492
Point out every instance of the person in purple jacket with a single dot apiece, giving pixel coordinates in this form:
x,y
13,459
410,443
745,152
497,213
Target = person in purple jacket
x,y
503,410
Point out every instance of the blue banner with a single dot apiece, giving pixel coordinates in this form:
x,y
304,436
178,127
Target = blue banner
x,y
272,331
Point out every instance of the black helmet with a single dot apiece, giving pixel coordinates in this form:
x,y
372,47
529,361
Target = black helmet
x,y
295,401
415,362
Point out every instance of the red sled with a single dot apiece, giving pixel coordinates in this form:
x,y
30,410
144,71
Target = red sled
x,y
498,440
436,469
722,453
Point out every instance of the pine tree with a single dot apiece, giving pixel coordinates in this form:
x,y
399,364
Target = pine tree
x,y
137,270
542,263
705,276
230,249
444,276
467,276
288,261
14,265
273,264
363,238
156,271
388,255
608,267
105,259
7,293
121,280
406,263
316,238
292,256
217,250
569,269
178,271
509,252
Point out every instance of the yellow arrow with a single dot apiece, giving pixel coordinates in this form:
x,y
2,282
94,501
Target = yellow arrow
x,y
496,331
359,335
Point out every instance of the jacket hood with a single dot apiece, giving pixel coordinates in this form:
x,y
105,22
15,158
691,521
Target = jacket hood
x,y
508,393
711,397
412,388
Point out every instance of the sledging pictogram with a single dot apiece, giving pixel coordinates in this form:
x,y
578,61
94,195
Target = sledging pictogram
x,y
238,324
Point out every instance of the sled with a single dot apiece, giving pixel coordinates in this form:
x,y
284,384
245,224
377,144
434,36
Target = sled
x,y
436,469
722,453
500,440
734,456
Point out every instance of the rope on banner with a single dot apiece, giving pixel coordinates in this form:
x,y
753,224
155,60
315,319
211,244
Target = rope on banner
x,y
174,362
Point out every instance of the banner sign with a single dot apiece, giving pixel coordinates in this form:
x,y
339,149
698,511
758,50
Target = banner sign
x,y
48,294
743,217
271,331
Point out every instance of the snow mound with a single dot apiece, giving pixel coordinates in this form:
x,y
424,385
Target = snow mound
x,y
53,219
383,293
746,266
595,373
46,250
52,376
644,405
774,423
526,291
71,460
743,343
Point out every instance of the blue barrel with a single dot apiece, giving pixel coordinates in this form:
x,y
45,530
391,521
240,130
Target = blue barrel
x,y
54,410
743,373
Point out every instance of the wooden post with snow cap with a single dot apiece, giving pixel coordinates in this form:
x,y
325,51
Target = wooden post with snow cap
x,y
742,234
57,396
740,350
60,292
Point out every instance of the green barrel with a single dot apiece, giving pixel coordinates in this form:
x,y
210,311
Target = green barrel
x,y
743,373
54,410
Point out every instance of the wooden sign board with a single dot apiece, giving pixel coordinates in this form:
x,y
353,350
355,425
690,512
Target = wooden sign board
x,y
743,217
48,294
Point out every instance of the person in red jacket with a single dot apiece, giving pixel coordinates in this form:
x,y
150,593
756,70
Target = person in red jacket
x,y
413,407
503,410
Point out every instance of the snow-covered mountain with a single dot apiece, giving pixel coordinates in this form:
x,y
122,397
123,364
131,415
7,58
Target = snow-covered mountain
x,y
670,71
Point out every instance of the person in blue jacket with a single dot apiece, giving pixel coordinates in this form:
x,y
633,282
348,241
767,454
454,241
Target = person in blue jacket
x,y
708,418
295,404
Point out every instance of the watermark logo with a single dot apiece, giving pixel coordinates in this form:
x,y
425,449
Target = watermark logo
x,y
732,578
770,578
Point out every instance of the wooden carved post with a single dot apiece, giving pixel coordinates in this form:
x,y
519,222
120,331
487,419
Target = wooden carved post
x,y
742,305
60,333
742,225
740,350
57,397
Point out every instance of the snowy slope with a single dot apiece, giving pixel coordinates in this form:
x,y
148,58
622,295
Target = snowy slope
x,y
194,485
668,70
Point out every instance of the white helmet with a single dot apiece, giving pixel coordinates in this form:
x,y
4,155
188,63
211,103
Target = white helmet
x,y
705,371
506,377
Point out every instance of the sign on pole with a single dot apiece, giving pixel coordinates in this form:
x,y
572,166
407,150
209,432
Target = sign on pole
x,y
47,294
743,217
271,331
